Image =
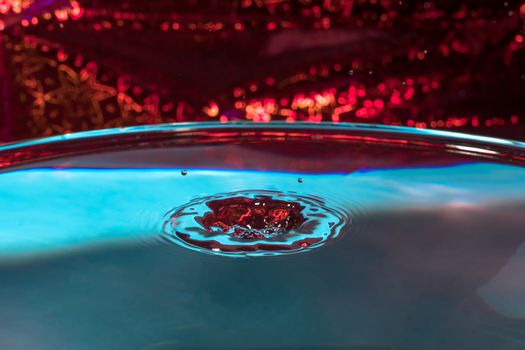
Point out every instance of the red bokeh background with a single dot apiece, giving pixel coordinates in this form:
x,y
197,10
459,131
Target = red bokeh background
x,y
73,65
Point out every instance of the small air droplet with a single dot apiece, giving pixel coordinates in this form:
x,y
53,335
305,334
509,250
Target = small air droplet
x,y
184,172
300,180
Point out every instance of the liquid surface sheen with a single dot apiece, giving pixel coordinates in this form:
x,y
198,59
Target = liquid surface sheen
x,y
423,255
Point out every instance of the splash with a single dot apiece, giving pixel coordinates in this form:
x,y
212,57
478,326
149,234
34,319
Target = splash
x,y
253,223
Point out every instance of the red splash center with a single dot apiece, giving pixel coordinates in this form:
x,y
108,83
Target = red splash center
x,y
248,219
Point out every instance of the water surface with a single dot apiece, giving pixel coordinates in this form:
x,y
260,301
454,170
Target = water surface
x,y
423,255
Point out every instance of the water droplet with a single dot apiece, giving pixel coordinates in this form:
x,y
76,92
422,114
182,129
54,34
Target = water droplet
x,y
253,223
184,172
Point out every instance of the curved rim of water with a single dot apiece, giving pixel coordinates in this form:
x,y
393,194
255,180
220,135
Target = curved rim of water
x,y
328,126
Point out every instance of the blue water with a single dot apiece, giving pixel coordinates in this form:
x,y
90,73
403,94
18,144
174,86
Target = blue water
x,y
45,211
433,259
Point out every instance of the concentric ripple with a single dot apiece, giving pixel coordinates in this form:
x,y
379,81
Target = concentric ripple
x,y
254,223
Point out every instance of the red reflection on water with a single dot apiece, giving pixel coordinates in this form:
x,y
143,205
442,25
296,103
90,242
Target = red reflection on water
x,y
249,218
